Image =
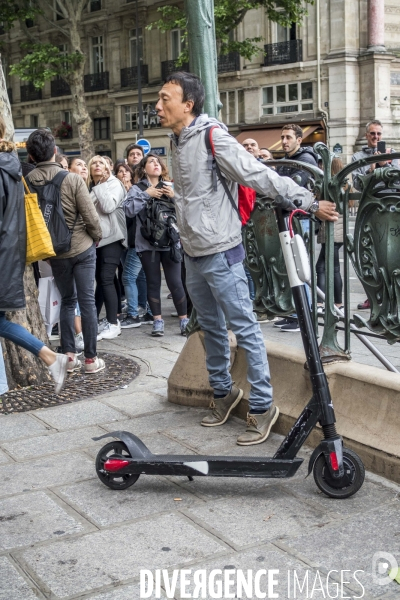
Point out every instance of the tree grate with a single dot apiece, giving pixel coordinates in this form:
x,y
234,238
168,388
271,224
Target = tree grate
x,y
119,371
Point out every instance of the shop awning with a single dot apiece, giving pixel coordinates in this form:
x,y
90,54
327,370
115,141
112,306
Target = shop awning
x,y
271,138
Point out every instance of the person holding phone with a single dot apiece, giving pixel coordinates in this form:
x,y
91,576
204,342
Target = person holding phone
x,y
375,145
153,182
108,194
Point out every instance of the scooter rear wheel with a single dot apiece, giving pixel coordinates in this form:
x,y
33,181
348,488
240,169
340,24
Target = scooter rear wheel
x,y
114,480
346,486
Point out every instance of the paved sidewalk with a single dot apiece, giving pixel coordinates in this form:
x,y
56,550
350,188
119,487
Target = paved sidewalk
x,y
65,535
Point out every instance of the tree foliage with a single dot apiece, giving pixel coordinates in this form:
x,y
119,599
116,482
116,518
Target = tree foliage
x,y
228,15
43,62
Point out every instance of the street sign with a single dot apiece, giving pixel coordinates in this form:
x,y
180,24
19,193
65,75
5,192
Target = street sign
x,y
160,151
338,149
145,144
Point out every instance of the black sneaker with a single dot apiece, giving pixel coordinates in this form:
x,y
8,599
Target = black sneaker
x,y
129,322
147,319
292,326
282,322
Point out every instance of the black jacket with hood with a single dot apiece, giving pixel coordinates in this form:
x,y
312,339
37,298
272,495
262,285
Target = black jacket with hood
x,y
12,230
305,155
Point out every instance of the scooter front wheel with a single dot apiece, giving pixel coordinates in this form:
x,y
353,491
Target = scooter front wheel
x,y
114,480
345,486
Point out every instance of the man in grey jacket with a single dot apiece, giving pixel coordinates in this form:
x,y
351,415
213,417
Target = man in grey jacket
x,y
211,237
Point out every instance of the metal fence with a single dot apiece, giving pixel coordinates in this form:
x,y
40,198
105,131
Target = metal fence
x,y
373,251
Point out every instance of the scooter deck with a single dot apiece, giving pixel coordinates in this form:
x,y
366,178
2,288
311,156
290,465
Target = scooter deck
x,y
142,461
212,466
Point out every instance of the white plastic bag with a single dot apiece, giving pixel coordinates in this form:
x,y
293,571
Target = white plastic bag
x,y
49,301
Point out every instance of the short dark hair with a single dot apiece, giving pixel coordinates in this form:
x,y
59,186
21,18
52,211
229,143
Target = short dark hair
x,y
41,145
192,89
298,132
133,147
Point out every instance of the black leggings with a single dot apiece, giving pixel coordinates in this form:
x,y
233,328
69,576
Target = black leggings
x,y
151,262
337,278
107,261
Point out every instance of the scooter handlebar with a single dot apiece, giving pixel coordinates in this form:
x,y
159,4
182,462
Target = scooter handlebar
x,y
284,204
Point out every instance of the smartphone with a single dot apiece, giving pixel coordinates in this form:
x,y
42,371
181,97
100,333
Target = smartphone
x,y
381,147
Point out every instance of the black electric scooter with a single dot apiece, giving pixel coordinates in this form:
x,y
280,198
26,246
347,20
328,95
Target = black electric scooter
x,y
338,471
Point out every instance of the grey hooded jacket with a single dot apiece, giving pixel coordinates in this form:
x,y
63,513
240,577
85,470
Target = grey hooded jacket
x,y
206,219
108,198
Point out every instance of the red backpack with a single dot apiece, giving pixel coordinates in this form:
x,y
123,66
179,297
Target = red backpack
x,y
246,195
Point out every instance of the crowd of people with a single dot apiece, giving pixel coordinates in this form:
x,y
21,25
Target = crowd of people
x,y
118,247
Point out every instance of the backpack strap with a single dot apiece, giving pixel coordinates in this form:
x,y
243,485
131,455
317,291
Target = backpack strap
x,y
214,168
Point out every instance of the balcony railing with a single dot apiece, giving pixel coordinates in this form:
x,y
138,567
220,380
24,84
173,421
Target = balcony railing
x,y
29,93
169,66
9,94
59,87
95,82
129,76
229,62
283,53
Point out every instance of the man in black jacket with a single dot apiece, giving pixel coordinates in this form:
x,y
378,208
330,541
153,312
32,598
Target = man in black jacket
x,y
292,136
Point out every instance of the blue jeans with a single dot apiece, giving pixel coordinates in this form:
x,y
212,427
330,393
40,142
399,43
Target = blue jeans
x,y
134,281
250,282
74,278
220,292
19,335
3,376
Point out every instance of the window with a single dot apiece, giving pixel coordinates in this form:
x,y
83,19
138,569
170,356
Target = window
x,y
58,11
97,54
94,5
2,28
133,46
34,121
233,107
130,117
287,98
177,43
66,117
285,34
101,128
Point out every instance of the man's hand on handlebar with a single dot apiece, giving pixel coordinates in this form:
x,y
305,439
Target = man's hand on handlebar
x,y
327,211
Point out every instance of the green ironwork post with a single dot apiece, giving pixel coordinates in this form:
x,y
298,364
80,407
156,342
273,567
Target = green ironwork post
x,y
203,50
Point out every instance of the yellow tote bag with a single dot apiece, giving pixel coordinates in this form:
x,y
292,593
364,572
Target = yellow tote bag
x,y
38,239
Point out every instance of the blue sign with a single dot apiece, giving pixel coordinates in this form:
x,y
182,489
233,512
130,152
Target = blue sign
x,y
145,144
160,151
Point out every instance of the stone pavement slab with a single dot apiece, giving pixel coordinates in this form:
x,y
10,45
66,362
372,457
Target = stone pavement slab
x,y
45,472
161,421
352,543
12,585
148,496
78,414
270,514
129,592
72,567
139,403
53,442
30,518
19,426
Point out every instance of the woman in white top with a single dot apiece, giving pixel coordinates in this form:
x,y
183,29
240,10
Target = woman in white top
x,y
108,195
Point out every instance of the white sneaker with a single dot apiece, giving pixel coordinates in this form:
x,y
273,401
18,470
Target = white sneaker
x,y
111,331
58,371
94,365
74,364
100,328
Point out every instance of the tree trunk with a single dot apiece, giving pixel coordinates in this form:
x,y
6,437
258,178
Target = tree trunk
x,y
22,367
76,81
5,108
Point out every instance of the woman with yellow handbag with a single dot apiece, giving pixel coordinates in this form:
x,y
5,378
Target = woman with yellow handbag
x,y
13,249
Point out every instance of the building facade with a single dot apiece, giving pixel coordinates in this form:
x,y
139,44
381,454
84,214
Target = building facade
x,y
332,74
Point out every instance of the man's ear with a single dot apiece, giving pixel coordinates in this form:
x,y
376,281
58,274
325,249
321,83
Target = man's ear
x,y
189,106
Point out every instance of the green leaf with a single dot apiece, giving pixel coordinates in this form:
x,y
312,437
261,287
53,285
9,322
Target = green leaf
x,y
395,575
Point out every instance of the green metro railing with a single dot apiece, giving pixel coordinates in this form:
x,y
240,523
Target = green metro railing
x,y
374,252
